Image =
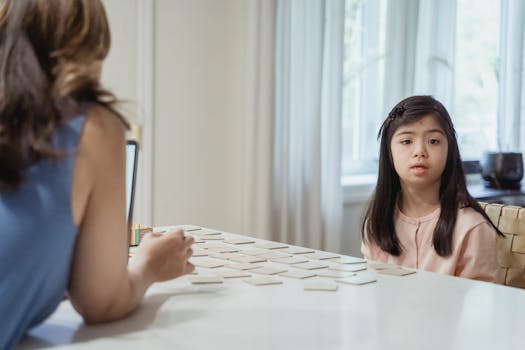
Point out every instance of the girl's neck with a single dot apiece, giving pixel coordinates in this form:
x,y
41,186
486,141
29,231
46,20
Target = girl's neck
x,y
418,202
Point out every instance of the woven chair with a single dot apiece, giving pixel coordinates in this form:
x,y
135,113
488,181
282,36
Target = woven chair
x,y
510,220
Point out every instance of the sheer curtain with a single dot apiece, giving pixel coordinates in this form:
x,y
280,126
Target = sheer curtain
x,y
259,38
511,97
420,50
292,190
435,50
306,171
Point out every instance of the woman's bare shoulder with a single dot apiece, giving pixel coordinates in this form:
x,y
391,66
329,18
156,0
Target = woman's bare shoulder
x,y
103,125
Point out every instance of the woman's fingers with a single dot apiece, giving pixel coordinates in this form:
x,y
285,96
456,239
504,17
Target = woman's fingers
x,y
176,233
188,241
189,267
150,235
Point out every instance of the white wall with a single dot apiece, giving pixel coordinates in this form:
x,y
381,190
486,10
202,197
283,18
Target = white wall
x,y
351,232
198,113
197,122
120,68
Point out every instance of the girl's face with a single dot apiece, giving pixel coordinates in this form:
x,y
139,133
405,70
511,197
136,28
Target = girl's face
x,y
419,152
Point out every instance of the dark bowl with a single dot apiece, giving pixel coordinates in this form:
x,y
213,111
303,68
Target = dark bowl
x,y
502,169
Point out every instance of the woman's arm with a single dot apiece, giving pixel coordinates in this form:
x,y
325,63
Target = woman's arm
x,y
102,285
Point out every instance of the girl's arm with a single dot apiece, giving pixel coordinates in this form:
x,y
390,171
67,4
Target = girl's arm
x,y
478,255
102,285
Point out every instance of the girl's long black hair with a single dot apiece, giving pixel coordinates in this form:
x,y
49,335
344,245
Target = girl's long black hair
x,y
378,224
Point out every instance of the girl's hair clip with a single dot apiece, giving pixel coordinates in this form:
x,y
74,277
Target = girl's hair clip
x,y
396,112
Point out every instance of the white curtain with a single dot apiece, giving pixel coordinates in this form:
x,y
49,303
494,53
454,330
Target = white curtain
x,y
306,172
292,190
400,46
435,50
259,38
511,98
420,50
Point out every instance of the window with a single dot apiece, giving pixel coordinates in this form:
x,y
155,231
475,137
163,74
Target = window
x,y
363,77
396,49
476,78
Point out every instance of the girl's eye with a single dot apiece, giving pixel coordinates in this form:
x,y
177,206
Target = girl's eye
x,y
433,141
406,142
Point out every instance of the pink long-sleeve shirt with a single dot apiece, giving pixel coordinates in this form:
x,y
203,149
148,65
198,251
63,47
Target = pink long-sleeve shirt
x,y
474,246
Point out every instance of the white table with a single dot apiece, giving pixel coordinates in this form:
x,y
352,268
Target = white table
x,y
419,311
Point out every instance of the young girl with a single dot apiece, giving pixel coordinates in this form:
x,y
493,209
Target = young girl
x,y
421,214
62,174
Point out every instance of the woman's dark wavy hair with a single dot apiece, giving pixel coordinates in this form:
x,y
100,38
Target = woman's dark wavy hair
x,y
50,57
378,224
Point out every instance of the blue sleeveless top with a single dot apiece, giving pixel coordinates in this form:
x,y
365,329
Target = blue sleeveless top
x,y
37,237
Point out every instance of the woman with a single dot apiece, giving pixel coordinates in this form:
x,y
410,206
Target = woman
x,y
62,174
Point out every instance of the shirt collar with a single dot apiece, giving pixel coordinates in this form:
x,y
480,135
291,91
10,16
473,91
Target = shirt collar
x,y
411,220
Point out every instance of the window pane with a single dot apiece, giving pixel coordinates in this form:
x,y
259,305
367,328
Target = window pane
x,y
363,83
476,84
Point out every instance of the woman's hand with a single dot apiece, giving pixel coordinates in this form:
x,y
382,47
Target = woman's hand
x,y
164,256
